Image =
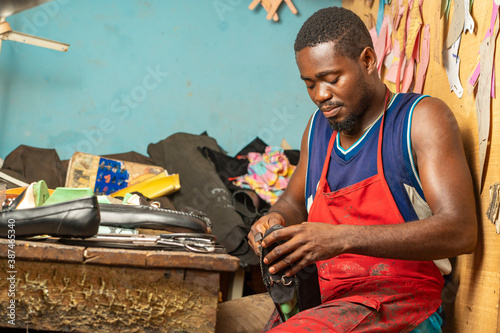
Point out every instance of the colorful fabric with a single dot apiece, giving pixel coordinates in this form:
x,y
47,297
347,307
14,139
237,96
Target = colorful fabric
x,y
268,174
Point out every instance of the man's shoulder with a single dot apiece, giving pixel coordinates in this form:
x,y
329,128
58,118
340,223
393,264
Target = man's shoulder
x,y
422,99
408,97
404,104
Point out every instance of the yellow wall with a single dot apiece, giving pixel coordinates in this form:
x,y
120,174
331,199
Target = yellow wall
x,y
472,298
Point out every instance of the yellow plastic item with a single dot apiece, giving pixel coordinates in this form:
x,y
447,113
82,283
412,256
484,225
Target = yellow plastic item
x,y
18,190
154,187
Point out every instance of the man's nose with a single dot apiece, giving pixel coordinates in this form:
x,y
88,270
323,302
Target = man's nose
x,y
322,93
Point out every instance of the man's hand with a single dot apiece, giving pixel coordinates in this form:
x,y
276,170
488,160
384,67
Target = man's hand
x,y
306,244
259,228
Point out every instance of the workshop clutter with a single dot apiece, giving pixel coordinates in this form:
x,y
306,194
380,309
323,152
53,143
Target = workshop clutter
x,y
207,176
78,212
185,186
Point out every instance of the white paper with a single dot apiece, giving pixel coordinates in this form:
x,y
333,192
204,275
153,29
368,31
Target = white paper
x,y
451,62
468,22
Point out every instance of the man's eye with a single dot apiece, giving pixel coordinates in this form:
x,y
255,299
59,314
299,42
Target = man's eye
x,y
334,81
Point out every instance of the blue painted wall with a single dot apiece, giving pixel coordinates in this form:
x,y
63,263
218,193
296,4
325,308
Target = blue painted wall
x,y
139,71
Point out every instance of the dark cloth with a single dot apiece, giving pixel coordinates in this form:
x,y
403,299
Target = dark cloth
x,y
292,155
202,189
30,164
256,146
246,202
227,167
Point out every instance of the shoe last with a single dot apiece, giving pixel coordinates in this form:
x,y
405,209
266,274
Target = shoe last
x,y
281,288
33,196
290,294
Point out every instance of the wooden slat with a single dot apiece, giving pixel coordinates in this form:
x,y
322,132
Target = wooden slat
x,y
116,257
42,251
161,259
216,262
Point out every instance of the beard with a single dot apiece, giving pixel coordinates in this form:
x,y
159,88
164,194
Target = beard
x,y
347,125
353,119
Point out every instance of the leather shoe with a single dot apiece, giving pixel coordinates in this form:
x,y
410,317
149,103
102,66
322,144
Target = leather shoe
x,y
73,218
148,217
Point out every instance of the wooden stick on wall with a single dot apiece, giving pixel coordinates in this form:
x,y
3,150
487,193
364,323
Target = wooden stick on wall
x,y
271,6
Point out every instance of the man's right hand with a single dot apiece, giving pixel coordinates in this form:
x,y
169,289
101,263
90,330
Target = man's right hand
x,y
258,229
291,203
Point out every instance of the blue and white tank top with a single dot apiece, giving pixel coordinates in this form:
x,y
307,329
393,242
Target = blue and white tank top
x,y
359,162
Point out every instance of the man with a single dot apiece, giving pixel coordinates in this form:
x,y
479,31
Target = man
x,y
383,184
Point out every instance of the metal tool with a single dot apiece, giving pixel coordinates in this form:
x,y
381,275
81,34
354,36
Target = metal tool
x,y
195,242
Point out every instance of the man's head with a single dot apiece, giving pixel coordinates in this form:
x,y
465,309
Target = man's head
x,y
336,61
335,24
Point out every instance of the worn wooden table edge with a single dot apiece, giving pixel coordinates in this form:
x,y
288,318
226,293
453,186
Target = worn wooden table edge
x,y
50,251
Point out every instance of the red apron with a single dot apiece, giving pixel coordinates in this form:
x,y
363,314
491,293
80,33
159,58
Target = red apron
x,y
362,293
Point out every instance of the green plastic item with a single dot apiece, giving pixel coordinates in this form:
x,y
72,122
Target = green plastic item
x,y
102,199
40,193
126,197
63,194
290,308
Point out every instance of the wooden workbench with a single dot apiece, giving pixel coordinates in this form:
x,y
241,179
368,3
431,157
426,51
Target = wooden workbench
x,y
74,288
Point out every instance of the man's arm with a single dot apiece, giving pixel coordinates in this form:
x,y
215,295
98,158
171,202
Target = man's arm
x,y
290,208
448,189
445,177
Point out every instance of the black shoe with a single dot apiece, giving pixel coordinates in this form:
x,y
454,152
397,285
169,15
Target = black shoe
x,y
129,216
73,218
290,294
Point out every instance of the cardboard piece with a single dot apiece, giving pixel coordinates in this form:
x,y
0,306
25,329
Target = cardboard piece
x,y
105,175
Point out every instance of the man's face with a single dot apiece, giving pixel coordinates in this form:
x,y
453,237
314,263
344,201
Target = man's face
x,y
335,83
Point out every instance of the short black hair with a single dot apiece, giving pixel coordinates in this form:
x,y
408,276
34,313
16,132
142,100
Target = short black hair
x,y
336,24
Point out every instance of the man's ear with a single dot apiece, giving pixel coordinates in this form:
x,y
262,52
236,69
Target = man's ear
x,y
368,58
